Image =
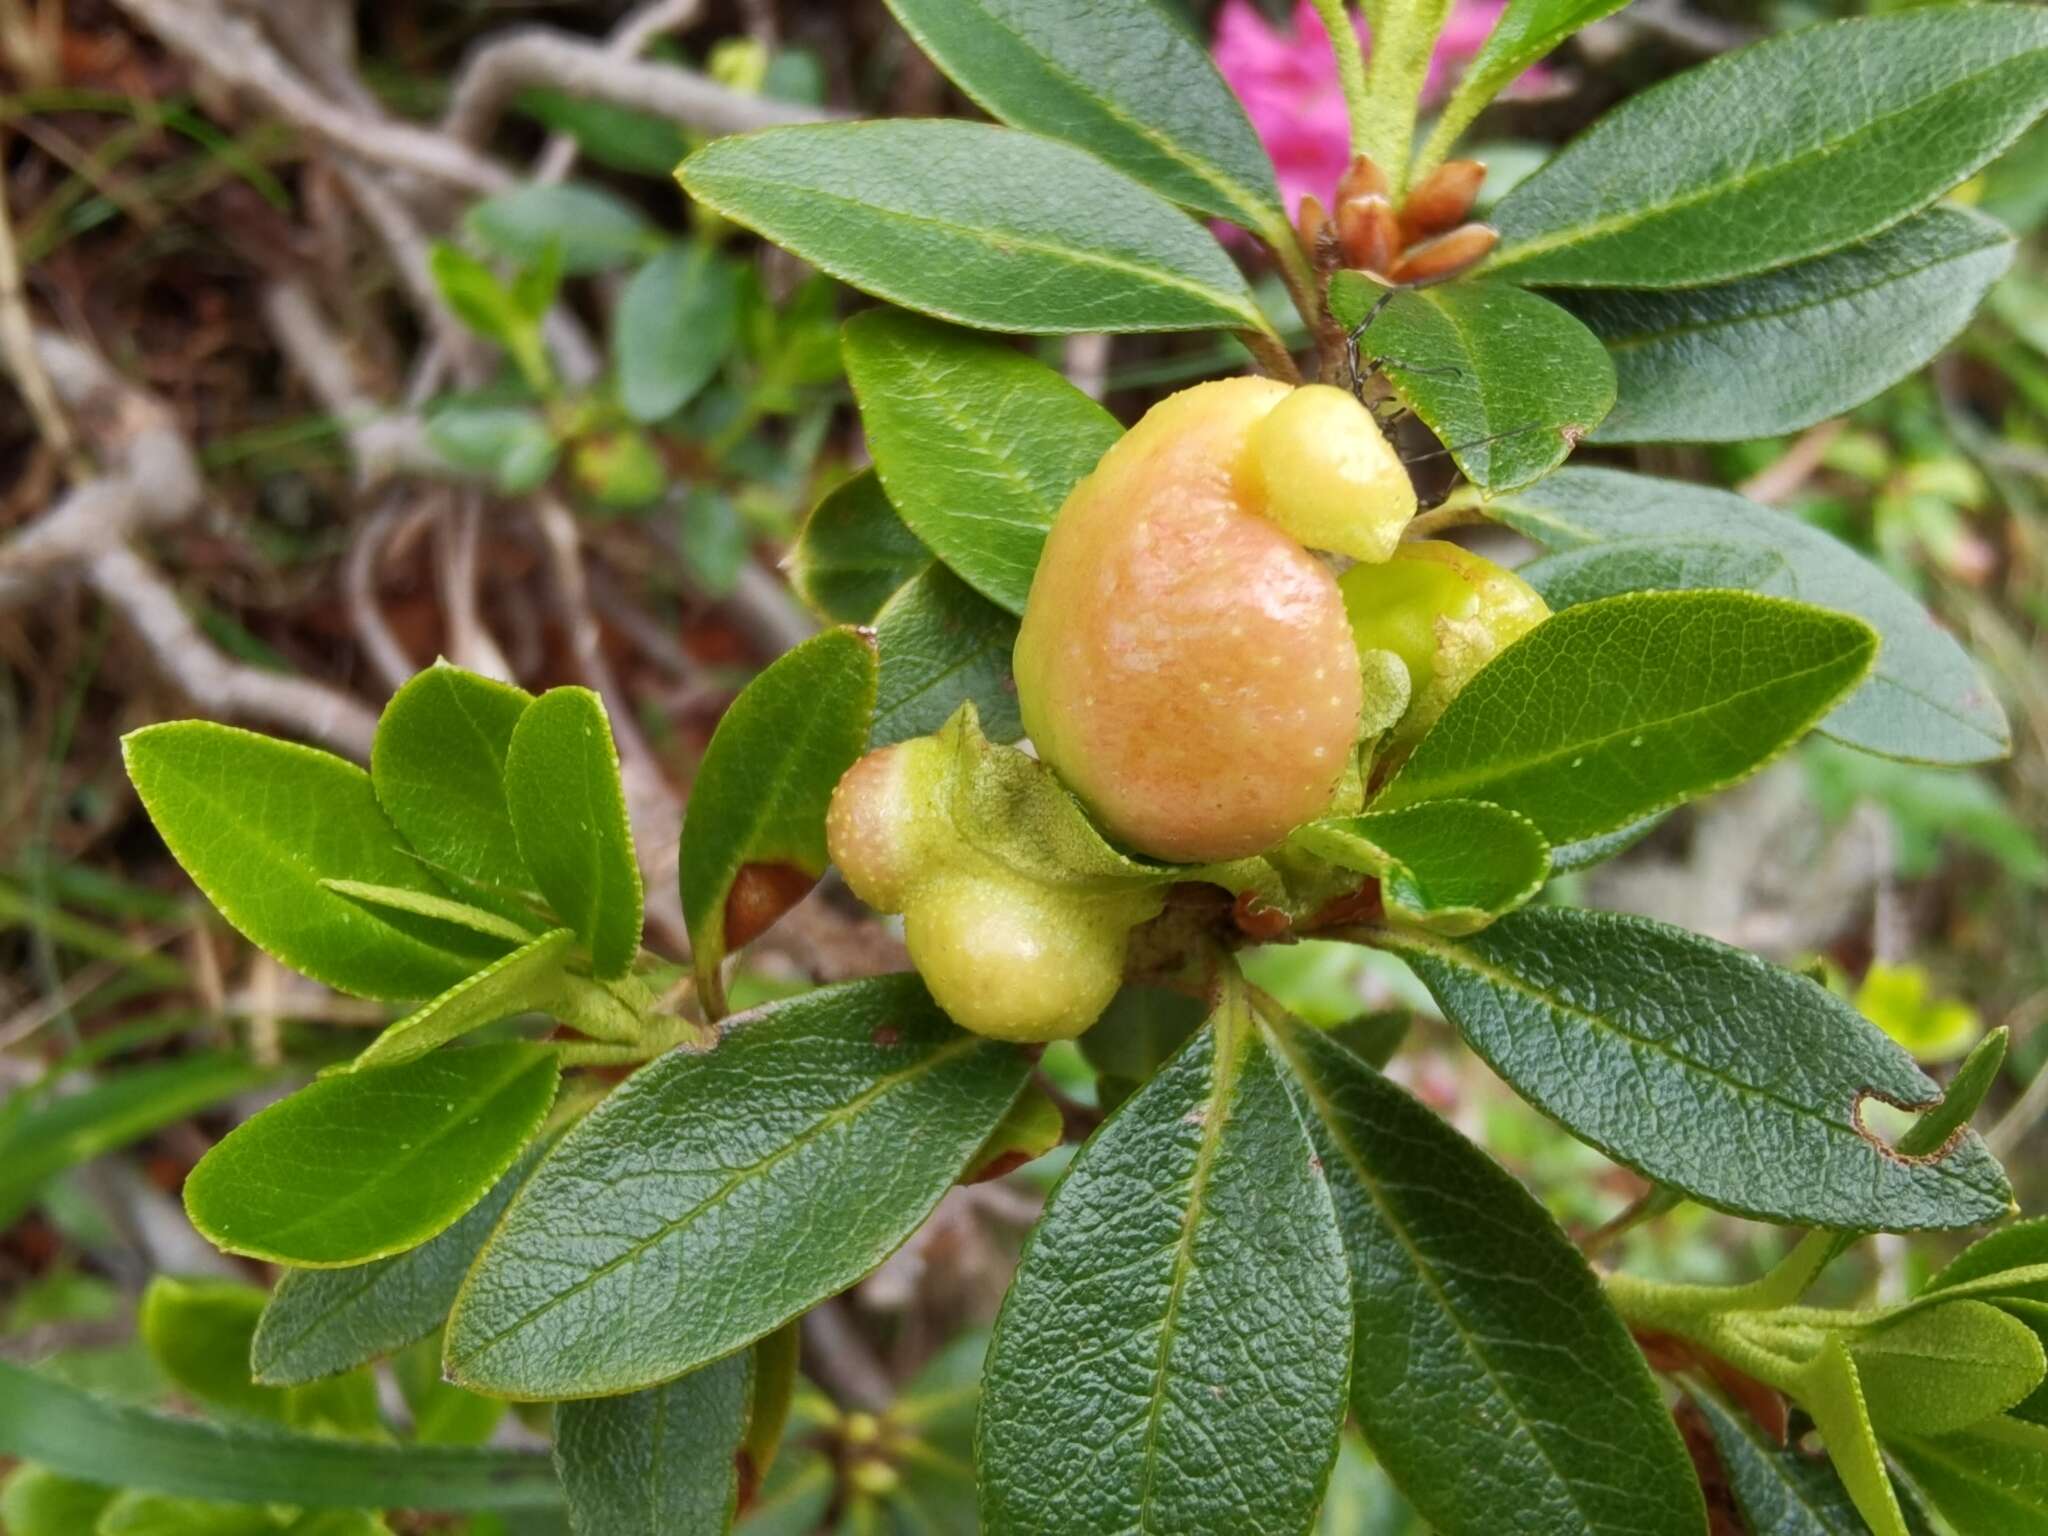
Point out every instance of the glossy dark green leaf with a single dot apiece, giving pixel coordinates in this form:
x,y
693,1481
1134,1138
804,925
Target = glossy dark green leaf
x,y
1450,865
1609,712
1992,1478
258,823
754,831
977,443
662,1460
1525,32
1781,1490
1702,1067
1172,1354
854,552
1787,149
591,229
1613,531
1481,1334
1944,1368
942,644
527,980
85,1438
367,1164
322,1321
63,1130
438,767
569,812
1785,349
1508,381
674,325
981,225
1124,81
658,1235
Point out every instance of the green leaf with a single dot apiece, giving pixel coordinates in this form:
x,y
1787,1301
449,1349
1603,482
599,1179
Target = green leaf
x,y
1172,1353
1991,1478
441,909
660,1460
1124,81
754,831
1032,1128
322,1321
1481,1335
976,443
367,1164
1945,1368
58,1132
569,811
942,643
981,225
34,1501
1831,1392
259,823
1606,713
525,981
844,1115
198,1332
477,295
438,767
1796,146
512,444
591,228
1508,381
674,325
1702,1067
1614,532
1781,1489
618,137
443,1414
855,551
2021,1245
1526,31
1452,866
1785,349
154,1514
82,1437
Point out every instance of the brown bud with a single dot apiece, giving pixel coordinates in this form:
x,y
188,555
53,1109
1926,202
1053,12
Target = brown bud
x,y
1442,200
1446,255
1309,224
1368,233
1364,178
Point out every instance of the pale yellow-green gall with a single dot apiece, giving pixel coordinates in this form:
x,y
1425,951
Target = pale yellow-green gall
x,y
1004,955
1329,476
1185,663
1445,612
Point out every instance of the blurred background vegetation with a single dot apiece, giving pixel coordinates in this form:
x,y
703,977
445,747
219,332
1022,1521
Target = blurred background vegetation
x,y
435,360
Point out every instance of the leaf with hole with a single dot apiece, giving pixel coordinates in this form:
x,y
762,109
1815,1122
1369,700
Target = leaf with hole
x,y
367,1164
976,224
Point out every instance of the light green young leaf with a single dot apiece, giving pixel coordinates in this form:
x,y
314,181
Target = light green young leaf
x,y
1790,148
1482,1335
511,444
662,1460
1508,381
1992,1478
322,1321
82,1437
259,823
1785,349
34,1501
942,643
2020,1245
1832,1393
1526,31
1124,81
440,909
367,1164
976,224
477,295
1611,1024
1614,531
592,229
1191,1245
1609,712
155,1514
674,325
1397,66
855,551
568,810
1946,1367
198,1332
878,1103
528,980
976,444
754,831
1451,866
438,767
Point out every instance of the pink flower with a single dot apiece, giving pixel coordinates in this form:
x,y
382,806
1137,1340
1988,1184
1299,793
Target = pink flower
x,y
1288,83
